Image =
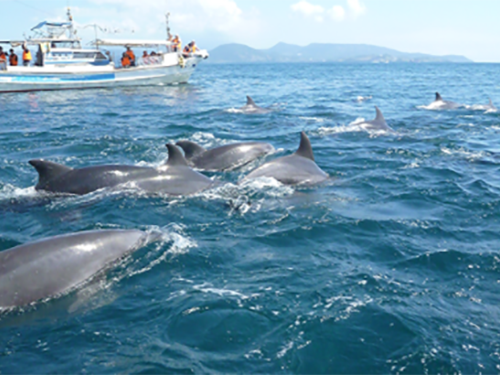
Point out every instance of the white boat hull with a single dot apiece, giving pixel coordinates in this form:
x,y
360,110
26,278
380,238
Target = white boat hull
x,y
22,79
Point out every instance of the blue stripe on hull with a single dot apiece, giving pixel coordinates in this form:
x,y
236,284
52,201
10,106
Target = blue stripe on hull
x,y
11,78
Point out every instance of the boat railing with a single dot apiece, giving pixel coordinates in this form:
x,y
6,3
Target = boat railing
x,y
149,60
3,65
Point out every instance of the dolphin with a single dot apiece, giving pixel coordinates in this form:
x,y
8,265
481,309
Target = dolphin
x,y
298,168
378,123
56,265
439,103
173,178
251,107
488,108
224,157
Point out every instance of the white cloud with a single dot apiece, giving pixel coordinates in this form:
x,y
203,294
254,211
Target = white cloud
x,y
309,10
195,16
337,13
356,7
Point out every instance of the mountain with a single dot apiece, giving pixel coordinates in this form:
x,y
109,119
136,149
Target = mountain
x,y
316,52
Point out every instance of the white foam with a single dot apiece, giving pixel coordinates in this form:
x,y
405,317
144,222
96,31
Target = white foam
x,y
9,191
363,98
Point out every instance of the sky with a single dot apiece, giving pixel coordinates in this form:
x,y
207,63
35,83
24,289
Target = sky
x,y
440,27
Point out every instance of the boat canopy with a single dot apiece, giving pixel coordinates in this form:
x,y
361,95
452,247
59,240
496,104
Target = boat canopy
x,y
51,24
16,43
132,42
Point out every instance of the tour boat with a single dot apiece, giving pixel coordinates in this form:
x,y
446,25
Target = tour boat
x,y
60,62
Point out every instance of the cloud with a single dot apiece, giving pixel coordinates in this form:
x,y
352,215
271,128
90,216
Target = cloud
x,y
222,16
356,7
309,10
336,13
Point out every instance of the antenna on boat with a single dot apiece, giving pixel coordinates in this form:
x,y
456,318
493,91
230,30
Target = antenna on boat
x,y
169,36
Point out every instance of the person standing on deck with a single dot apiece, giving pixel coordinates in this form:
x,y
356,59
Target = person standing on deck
x,y
26,56
177,44
131,56
3,59
13,60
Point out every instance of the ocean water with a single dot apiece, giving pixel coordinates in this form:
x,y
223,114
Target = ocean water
x,y
392,266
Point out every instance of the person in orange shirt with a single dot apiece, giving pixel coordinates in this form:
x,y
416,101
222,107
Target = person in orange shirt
x,y
13,60
131,56
3,57
125,60
26,56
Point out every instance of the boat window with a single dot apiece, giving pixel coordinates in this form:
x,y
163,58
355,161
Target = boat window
x,y
100,56
83,55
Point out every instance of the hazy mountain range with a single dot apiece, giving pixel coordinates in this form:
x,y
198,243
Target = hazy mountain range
x,y
316,52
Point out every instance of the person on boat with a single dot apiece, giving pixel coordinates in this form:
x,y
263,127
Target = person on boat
x,y
193,46
145,57
187,50
131,56
177,44
3,57
26,56
126,63
13,60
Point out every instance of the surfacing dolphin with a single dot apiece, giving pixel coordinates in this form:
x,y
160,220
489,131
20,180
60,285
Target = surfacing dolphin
x,y
298,168
439,103
377,124
251,107
224,157
488,108
55,266
173,178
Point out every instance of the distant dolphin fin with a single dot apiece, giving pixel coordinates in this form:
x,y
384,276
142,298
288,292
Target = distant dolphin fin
x,y
250,101
438,97
379,116
491,104
175,157
191,149
305,149
48,170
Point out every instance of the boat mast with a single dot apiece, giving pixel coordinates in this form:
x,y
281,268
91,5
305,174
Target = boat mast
x,y
169,36
70,19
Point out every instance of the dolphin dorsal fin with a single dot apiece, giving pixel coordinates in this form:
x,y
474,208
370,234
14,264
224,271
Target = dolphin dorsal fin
x,y
250,101
491,103
305,149
175,157
191,149
379,116
438,97
48,170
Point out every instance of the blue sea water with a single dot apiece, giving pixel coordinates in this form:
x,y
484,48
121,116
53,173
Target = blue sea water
x,y
393,266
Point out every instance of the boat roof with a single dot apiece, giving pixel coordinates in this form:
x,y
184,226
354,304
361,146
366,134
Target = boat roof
x,y
51,24
132,42
19,42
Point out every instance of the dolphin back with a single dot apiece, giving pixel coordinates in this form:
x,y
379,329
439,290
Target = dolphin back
x,y
379,116
191,149
175,157
56,265
250,101
48,171
305,148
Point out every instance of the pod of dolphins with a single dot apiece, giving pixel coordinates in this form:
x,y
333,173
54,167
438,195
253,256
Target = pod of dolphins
x,y
55,266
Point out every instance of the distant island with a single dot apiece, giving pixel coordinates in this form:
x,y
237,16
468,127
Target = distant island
x,y
317,52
